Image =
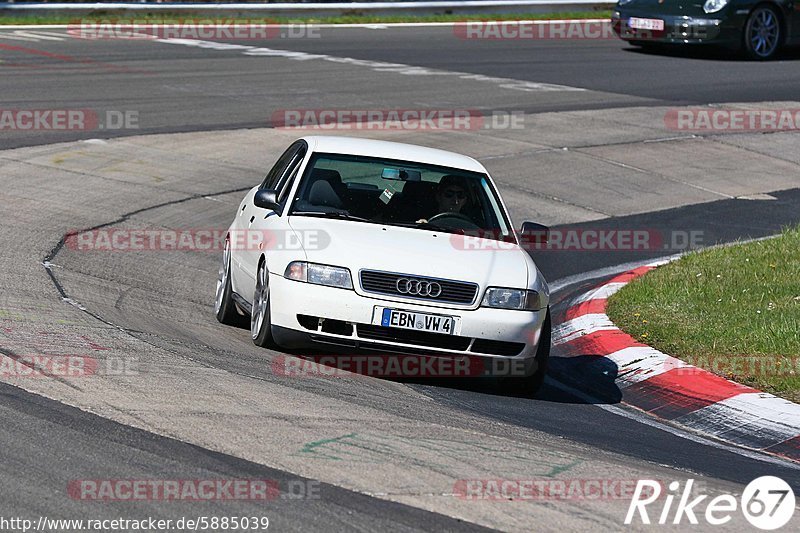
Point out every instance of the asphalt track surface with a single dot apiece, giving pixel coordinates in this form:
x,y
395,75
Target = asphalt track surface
x,y
183,88
63,443
178,88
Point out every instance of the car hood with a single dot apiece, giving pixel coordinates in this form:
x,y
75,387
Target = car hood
x,y
358,245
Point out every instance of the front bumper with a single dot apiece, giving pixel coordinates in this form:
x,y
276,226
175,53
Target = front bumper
x,y
348,322
680,29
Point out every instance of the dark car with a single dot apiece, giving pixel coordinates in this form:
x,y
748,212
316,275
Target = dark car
x,y
758,27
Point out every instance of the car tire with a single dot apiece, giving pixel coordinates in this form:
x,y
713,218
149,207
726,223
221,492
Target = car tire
x,y
529,386
762,34
260,319
224,307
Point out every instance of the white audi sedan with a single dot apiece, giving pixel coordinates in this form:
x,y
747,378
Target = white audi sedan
x,y
386,247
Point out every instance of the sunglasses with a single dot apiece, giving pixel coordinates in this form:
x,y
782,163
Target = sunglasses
x,y
461,195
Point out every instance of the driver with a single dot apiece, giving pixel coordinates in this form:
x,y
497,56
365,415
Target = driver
x,y
451,196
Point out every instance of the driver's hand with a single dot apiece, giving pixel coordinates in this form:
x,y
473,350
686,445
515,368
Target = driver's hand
x,y
422,221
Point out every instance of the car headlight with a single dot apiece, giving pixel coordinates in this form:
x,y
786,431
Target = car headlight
x,y
501,298
330,276
712,6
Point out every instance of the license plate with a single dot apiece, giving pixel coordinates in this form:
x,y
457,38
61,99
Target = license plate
x,y
397,318
646,24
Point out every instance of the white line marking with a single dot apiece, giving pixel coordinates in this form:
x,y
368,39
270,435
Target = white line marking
x,y
662,262
563,283
639,363
601,293
582,325
378,66
44,35
13,37
747,418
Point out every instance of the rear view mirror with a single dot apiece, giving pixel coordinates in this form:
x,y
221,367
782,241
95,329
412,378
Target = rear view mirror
x,y
266,199
399,174
534,233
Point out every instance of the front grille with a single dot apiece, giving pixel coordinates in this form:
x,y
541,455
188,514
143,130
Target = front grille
x,y
386,283
418,338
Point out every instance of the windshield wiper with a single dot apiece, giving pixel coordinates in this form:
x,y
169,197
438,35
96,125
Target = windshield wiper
x,y
427,226
320,214
436,227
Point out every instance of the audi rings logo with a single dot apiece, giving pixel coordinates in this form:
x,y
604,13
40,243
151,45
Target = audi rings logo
x,y
416,287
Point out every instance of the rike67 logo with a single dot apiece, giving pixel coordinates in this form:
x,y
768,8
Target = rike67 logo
x,y
767,503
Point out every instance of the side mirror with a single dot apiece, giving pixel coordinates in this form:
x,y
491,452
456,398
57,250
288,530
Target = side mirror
x,y
266,199
534,233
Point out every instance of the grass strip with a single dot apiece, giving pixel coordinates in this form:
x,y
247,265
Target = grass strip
x,y
733,310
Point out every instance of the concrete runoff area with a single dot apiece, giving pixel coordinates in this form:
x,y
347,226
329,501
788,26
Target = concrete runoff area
x,y
202,383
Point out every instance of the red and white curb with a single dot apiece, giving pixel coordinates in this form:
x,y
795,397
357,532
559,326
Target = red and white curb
x,y
672,390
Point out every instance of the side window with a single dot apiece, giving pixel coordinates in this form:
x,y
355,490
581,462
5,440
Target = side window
x,y
275,173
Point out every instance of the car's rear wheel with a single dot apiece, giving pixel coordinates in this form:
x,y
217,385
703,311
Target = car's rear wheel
x,y
530,385
762,33
260,320
224,308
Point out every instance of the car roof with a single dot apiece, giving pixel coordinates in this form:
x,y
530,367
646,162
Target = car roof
x,y
392,150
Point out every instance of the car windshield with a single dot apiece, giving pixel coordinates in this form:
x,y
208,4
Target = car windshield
x,y
401,193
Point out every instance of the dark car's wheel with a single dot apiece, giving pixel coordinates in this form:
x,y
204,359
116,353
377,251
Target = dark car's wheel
x,y
762,33
530,385
224,308
260,322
